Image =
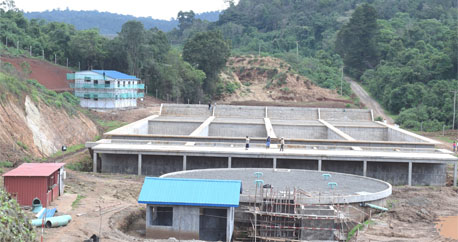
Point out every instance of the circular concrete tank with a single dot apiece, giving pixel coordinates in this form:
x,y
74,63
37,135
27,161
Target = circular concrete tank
x,y
310,187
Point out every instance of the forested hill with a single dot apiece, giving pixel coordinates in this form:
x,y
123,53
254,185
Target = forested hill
x,y
404,52
109,23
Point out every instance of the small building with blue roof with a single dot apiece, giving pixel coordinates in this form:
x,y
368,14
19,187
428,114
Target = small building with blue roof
x,y
190,208
109,89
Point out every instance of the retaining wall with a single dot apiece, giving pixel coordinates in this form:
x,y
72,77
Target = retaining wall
x,y
301,131
332,114
171,128
237,130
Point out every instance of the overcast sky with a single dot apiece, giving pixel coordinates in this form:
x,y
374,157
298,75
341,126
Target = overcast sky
x,y
158,9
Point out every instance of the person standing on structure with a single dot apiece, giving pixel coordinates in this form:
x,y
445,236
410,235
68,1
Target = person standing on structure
x,y
454,146
268,142
247,143
282,144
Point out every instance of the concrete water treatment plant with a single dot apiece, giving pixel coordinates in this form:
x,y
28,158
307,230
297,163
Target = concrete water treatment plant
x,y
189,137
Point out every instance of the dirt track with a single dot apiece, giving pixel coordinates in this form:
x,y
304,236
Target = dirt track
x,y
368,100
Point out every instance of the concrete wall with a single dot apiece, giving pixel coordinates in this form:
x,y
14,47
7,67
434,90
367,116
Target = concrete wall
x,y
108,103
334,114
240,111
332,135
213,224
301,131
297,164
185,224
395,135
349,167
366,133
397,173
119,163
251,162
185,110
171,128
237,130
424,174
157,165
292,113
192,223
195,162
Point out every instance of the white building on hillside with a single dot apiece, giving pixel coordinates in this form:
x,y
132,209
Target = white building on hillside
x,y
106,89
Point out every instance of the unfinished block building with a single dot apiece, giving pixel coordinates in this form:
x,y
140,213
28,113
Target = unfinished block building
x,y
188,137
108,89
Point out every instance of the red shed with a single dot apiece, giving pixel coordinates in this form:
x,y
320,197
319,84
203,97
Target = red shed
x,y
31,180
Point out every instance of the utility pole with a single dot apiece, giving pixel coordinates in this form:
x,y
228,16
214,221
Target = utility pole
x,y
297,50
30,50
341,79
454,108
55,59
259,50
43,54
67,62
17,45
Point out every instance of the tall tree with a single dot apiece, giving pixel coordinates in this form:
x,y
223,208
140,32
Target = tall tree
x,y
132,36
185,19
356,42
208,51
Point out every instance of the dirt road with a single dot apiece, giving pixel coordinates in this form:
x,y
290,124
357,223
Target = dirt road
x,y
368,100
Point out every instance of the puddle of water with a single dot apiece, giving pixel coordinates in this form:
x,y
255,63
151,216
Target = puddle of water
x,y
447,226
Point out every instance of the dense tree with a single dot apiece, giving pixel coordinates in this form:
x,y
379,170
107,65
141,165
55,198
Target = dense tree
x,y
132,36
356,42
87,47
208,51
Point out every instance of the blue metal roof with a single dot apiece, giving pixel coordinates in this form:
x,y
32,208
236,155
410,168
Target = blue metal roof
x,y
193,192
116,74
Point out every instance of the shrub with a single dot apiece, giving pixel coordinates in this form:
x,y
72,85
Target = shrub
x,y
14,225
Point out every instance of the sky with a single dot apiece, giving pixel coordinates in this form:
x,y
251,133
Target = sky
x,y
157,9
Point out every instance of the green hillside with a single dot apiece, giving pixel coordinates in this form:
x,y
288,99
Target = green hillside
x,y
404,52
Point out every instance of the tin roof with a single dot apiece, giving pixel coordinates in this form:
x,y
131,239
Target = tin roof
x,y
35,169
116,74
193,192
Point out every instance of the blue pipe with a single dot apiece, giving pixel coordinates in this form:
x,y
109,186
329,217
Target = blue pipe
x,y
53,221
374,206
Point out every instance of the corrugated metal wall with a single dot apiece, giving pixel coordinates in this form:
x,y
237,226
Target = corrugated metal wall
x,y
25,189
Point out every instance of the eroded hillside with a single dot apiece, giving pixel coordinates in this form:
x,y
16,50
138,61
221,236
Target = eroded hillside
x,y
36,122
268,79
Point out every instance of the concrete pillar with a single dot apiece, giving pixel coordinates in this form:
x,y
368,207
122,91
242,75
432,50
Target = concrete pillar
x,y
365,168
410,173
184,163
229,162
94,162
139,164
319,164
454,173
275,163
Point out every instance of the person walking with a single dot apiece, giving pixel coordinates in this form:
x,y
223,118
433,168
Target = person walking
x,y
268,142
247,143
282,144
454,146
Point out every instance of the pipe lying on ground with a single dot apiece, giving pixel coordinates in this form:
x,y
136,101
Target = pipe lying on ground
x,y
373,206
53,221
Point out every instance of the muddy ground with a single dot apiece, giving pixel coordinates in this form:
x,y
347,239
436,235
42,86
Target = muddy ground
x,y
110,199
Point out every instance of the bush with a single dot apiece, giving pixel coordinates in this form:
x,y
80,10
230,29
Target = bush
x,y
14,225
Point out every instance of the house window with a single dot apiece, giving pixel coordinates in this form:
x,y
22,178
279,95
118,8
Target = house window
x,y
87,79
96,97
87,96
162,216
107,83
119,83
